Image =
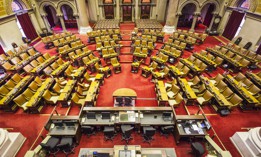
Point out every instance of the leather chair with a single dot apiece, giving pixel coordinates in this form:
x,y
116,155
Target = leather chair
x,y
199,89
128,101
161,74
204,97
116,65
66,145
88,130
126,133
173,91
21,102
109,133
148,133
216,79
50,97
78,99
166,130
104,70
51,146
221,85
28,94
176,100
197,149
119,101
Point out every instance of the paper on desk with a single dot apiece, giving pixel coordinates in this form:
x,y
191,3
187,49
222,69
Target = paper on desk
x,y
112,118
141,115
170,94
200,131
195,127
187,131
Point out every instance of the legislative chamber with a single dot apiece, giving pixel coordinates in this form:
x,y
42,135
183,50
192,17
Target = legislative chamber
x,y
130,78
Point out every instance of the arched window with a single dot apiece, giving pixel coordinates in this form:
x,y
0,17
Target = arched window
x,y
16,6
245,4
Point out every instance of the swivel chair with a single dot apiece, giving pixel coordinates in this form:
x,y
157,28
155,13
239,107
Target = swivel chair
x,y
148,133
66,145
128,101
166,130
197,149
109,133
119,101
88,130
126,133
51,146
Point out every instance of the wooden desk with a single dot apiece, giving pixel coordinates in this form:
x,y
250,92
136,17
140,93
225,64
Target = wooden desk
x,y
66,93
33,103
43,65
176,72
182,122
255,78
136,149
192,66
190,94
92,94
143,116
209,62
249,99
67,131
220,98
124,92
60,69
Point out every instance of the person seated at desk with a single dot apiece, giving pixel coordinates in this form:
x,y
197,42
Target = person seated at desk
x,y
123,101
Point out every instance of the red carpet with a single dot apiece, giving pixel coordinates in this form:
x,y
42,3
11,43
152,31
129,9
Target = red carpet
x,y
30,125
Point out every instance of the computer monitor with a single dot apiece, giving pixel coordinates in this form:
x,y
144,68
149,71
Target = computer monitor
x,y
166,115
91,115
106,115
58,123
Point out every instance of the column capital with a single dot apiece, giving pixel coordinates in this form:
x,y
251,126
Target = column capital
x,y
215,13
196,13
178,13
59,15
43,14
76,15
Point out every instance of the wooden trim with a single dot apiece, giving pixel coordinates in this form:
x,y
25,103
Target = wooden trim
x,y
127,109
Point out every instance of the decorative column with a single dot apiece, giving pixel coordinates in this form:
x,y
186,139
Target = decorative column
x,y
83,18
212,21
36,9
137,9
195,18
61,21
169,27
118,9
77,19
177,19
46,23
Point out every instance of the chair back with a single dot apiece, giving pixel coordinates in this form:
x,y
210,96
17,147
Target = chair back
x,y
207,95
